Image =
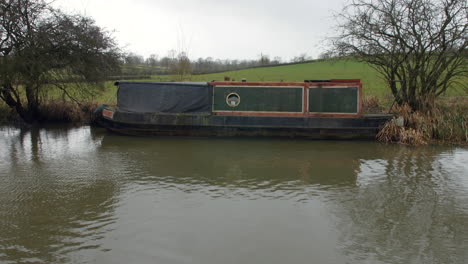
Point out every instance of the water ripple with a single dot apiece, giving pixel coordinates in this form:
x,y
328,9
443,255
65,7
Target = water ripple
x,y
78,196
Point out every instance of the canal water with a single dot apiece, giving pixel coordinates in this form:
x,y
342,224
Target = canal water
x,y
82,195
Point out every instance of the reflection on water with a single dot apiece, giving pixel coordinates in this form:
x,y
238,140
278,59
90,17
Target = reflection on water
x,y
409,209
52,198
85,196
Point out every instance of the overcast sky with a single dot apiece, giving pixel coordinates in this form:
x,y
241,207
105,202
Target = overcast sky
x,y
225,29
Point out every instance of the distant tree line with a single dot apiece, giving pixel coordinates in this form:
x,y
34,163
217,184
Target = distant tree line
x,y
180,64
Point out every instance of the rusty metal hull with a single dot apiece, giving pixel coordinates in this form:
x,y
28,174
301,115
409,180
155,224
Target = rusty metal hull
x,y
144,124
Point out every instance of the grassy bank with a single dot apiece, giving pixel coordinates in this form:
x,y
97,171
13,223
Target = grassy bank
x,y
57,108
53,111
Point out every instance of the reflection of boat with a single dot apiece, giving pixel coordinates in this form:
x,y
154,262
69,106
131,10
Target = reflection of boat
x,y
259,163
316,109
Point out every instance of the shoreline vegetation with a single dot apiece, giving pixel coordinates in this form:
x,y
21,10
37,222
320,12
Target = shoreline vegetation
x,y
446,124
52,111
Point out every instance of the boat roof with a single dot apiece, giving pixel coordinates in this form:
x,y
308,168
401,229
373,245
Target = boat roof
x,y
171,83
214,82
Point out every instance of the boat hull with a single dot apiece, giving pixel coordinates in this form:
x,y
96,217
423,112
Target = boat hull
x,y
165,124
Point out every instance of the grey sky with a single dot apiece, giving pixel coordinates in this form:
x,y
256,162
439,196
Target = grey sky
x,y
234,29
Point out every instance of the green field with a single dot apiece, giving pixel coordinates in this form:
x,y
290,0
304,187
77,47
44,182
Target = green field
x,y
319,70
333,69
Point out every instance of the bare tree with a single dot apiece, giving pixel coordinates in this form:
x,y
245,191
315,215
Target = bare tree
x,y
182,66
417,45
133,59
41,47
152,60
263,59
325,55
301,58
276,60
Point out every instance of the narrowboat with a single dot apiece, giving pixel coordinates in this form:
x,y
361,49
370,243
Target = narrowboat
x,y
311,109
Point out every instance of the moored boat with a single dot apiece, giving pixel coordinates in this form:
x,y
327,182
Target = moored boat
x,y
312,109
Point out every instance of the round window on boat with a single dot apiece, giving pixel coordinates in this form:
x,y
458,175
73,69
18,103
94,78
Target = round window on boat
x,y
233,99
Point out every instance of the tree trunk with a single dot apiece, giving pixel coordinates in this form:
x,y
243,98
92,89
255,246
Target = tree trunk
x,y
11,98
33,104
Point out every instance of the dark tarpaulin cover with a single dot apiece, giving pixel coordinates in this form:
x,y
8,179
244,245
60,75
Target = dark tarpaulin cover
x,y
167,97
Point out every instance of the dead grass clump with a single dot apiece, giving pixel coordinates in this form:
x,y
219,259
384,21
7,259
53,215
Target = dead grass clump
x,y
371,104
392,132
60,111
446,122
451,120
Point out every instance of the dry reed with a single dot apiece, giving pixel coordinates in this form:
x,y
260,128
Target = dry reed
x,y
67,112
446,122
372,104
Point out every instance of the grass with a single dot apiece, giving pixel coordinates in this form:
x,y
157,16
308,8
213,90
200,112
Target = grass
x,y
57,108
334,69
315,70
373,85
105,93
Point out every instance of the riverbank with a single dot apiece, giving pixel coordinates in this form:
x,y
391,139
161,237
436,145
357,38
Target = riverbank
x,y
53,111
447,124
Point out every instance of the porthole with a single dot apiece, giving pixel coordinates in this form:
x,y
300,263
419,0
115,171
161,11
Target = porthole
x,y
233,99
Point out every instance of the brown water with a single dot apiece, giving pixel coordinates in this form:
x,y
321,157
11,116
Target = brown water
x,y
78,195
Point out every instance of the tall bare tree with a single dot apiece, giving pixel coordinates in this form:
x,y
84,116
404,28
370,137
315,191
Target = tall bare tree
x,y
41,47
263,59
182,65
418,46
